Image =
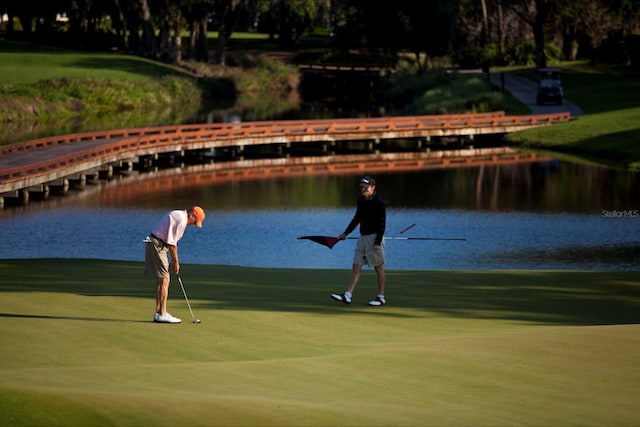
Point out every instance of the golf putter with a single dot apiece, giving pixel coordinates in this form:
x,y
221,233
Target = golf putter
x,y
187,299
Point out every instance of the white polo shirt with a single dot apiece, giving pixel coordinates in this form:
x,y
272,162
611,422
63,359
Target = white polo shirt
x,y
171,227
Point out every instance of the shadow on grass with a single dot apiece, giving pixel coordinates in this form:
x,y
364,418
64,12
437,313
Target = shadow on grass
x,y
550,297
599,147
93,319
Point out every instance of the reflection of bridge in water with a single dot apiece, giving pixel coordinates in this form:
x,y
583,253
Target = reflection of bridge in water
x,y
251,150
216,173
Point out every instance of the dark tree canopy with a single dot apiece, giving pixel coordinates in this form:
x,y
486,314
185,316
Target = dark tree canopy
x,y
468,32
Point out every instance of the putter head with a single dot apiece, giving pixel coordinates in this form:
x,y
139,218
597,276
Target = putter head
x,y
197,321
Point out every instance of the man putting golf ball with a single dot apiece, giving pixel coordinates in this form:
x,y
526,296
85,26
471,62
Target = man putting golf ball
x,y
371,214
162,242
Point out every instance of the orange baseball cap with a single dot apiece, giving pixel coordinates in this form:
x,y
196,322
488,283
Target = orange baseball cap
x,y
199,214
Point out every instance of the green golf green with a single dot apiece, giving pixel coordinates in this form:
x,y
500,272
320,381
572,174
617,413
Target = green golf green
x,y
485,348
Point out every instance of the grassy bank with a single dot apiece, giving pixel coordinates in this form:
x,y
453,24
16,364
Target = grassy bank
x,y
477,348
44,84
609,130
112,90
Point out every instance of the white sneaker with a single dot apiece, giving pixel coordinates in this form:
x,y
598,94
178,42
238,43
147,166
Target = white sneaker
x,y
166,318
344,298
378,302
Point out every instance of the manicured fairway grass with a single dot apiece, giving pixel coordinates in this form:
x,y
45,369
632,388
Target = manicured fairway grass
x,y
451,348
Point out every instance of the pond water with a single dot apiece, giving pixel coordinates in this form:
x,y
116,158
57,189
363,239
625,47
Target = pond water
x,y
546,215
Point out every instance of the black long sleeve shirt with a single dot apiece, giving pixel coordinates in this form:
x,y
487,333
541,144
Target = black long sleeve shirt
x,y
371,214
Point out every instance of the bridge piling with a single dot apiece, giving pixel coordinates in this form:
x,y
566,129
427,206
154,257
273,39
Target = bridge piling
x,y
59,186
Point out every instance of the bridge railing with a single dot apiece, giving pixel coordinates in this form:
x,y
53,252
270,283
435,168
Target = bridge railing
x,y
291,125
121,144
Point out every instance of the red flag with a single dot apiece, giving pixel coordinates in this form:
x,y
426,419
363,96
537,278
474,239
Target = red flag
x,y
327,241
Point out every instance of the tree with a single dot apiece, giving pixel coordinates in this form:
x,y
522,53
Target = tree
x,y
534,13
596,21
227,13
429,29
138,34
438,27
197,14
170,34
287,20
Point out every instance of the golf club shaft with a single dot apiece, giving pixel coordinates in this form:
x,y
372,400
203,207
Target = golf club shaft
x,y
187,299
416,238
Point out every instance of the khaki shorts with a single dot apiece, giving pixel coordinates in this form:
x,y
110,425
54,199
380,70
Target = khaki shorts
x,y
364,253
156,259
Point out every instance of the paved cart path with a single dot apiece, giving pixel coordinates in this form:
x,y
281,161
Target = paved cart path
x,y
525,91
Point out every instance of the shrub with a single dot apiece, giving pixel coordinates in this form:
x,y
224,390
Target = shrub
x,y
552,52
523,53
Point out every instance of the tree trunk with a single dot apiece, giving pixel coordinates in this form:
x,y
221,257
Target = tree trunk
x,y
176,44
122,20
538,32
193,37
10,26
27,22
421,64
202,51
221,48
484,35
164,33
501,34
148,46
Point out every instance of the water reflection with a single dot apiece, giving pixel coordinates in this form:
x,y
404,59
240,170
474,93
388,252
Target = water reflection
x,y
547,186
544,215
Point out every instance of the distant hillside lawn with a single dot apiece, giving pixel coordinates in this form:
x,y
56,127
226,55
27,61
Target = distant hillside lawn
x,y
609,95
481,348
609,130
29,63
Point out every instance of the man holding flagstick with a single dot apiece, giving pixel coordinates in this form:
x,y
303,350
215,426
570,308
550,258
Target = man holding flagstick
x,y
372,217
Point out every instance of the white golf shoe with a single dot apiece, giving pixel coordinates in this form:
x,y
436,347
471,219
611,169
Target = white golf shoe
x,y
165,318
344,298
378,301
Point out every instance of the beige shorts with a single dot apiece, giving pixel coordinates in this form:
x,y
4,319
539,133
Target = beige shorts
x,y
364,253
156,258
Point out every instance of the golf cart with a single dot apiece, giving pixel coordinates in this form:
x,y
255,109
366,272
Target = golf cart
x,y
550,87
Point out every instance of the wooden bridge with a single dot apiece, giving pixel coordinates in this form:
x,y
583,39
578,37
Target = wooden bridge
x,y
52,161
352,68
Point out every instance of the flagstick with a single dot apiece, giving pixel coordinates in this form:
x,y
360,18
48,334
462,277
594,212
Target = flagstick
x,y
411,226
